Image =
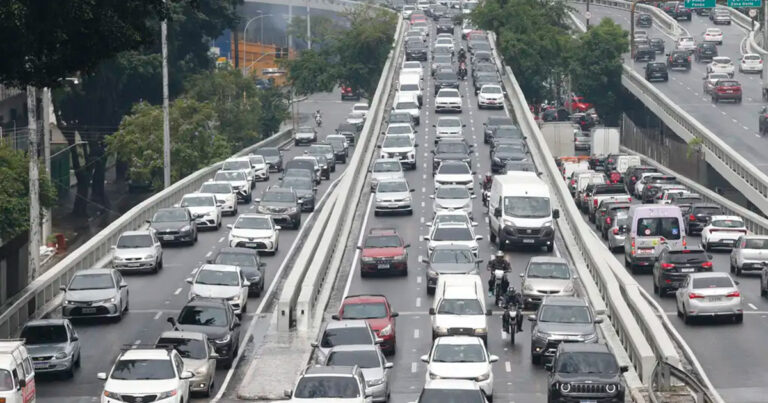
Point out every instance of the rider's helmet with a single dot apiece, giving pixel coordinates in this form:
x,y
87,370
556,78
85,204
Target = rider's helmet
x,y
488,177
499,255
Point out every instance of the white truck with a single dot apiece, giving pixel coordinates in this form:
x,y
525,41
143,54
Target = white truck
x,y
605,140
560,138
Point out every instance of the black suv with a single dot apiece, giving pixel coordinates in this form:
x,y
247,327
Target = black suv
x,y
633,175
282,205
451,150
644,21
349,131
657,44
673,266
416,50
679,59
250,264
305,191
704,52
585,372
446,79
656,71
217,320
445,25
644,53
699,215
273,157
681,12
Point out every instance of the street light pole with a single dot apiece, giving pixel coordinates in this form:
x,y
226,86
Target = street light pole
x,y
588,15
245,39
166,116
632,28
309,31
765,43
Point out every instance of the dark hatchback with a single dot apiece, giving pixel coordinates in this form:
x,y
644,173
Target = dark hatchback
x,y
644,21
673,266
644,53
174,225
492,123
446,79
273,157
416,51
217,320
250,264
657,44
451,150
585,372
445,25
704,52
349,131
305,191
699,215
656,71
679,59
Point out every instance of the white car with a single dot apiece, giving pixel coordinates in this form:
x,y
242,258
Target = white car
x,y
449,127
137,250
721,64
221,281
640,184
225,195
490,96
751,63
685,43
408,103
393,196
141,372
456,216
448,100
455,173
467,27
241,164
385,169
711,79
413,67
453,233
713,35
239,182
445,43
260,167
256,231
401,128
360,108
436,390
722,231
452,198
408,10
400,147
461,357
204,208
356,118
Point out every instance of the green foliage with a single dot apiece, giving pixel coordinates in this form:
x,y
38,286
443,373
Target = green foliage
x,y
14,192
597,67
273,111
196,140
311,72
322,28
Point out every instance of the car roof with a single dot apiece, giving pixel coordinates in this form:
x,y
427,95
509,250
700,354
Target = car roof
x,y
337,370
234,250
452,247
219,267
462,384
558,300
709,274
253,215
145,354
454,340
382,231
547,259
95,270
354,347
177,334
727,217
46,322
453,225
364,298
343,324
137,232
584,348
205,301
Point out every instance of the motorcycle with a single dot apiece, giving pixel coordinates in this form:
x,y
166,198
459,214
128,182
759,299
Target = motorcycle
x,y
318,120
462,71
487,182
462,56
512,319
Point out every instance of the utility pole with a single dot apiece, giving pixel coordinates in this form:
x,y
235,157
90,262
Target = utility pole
x,y
47,153
166,116
765,44
632,28
588,15
34,186
290,20
309,25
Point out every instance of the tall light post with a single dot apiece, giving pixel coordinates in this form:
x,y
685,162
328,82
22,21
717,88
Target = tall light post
x,y
632,28
309,24
765,43
245,39
166,116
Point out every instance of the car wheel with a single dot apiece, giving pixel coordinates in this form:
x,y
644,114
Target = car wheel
x,y
763,291
738,271
656,288
679,313
738,318
733,268
686,319
244,309
535,359
550,247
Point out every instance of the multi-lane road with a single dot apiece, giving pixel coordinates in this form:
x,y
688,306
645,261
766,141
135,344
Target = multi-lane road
x,y
155,297
735,124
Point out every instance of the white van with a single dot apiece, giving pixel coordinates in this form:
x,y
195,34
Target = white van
x,y
624,162
605,140
459,307
17,374
652,227
408,103
410,83
519,211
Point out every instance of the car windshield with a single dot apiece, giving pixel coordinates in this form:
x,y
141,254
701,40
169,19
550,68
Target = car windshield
x,y
217,188
231,176
134,241
451,395
281,197
564,314
488,68
399,117
721,60
449,123
235,165
198,201
491,89
451,147
712,282
48,334
508,131
727,223
454,169
326,387
203,316
383,241
707,210
667,227
452,192
687,256
254,223
452,256
187,348
6,381
388,166
296,182
442,59
549,270
752,57
412,65
448,93
306,129
236,259
445,352
135,370
363,359
460,307
727,83
365,311
218,277
509,149
409,87
91,282
452,234
526,206
346,336
755,243
397,141
268,152
392,187
406,105
170,216
587,363
256,159
445,75
451,218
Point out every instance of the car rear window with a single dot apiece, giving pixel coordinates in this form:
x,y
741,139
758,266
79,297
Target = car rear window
x,y
707,210
712,282
346,336
687,256
755,244
727,83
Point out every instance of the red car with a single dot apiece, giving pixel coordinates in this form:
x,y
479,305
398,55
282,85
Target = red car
x,y
383,251
579,104
726,89
377,311
347,93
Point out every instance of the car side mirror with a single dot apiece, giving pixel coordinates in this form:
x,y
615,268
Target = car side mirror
x,y
434,126
389,365
548,366
229,226
425,237
488,312
262,264
236,324
598,320
394,314
416,145
497,212
188,280
246,283
100,375
187,375
148,221
314,344
214,355
378,145
431,311
277,227
623,368
556,214
424,260
63,287
737,282
288,393
522,275
74,337
431,196
378,340
113,247
531,318
123,284
335,316
478,237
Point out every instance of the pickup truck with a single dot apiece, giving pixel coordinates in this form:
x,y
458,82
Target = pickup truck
x,y
600,193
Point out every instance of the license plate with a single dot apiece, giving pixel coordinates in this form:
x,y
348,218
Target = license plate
x,y
729,92
392,205
588,401
687,270
89,310
250,244
714,299
528,240
43,364
645,250
168,238
728,240
134,264
383,266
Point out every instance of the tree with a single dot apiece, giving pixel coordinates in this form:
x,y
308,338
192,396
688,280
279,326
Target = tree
x,y
195,140
14,193
273,111
597,67
322,28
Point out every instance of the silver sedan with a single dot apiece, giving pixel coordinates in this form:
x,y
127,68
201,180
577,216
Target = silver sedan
x,y
709,294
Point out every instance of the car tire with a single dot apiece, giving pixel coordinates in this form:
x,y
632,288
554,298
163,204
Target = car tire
x,y
763,291
679,312
739,318
551,247
733,268
687,319
739,273
535,359
656,288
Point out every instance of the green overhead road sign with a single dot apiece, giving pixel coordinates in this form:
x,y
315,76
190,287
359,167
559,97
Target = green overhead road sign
x,y
700,3
744,3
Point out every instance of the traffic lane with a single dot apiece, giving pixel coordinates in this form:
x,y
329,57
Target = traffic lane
x,y
154,297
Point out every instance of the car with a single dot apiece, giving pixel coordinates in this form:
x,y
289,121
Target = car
x,y
488,68
305,191
439,62
657,44
722,231
445,79
449,127
452,390
751,63
308,169
350,131
407,10
453,234
451,150
749,254
93,293
239,182
442,50
720,16
561,319
331,384
485,79
385,169
726,89
681,12
685,43
721,64
448,100
377,311
174,224
413,67
408,103
543,276
282,205
578,104
455,173
371,361
141,371
137,251
393,195
656,71
711,79
448,260
674,265
319,165
257,231
348,93
198,357
400,118
456,216
643,20
705,51
504,153
446,43
241,164
710,294
452,198
585,372
53,345
461,357
226,197
679,59
324,150
416,50
607,212
699,216
490,96
714,35
343,333
250,265
444,25
705,11
644,53
260,167
399,147
492,123
415,34
481,56
616,232
226,282
518,166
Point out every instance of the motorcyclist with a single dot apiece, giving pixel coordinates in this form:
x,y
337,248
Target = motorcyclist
x,y
487,182
462,69
462,55
318,117
503,285
499,263
512,301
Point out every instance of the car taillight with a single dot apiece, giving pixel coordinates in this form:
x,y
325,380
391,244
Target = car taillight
x,y
573,182
629,199
734,294
707,265
615,231
693,295
594,202
691,217
667,266
634,178
689,58
608,220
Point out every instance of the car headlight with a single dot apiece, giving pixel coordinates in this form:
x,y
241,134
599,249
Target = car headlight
x,y
433,375
118,258
483,377
113,395
367,259
224,339
166,395
235,298
432,274
374,382
261,209
610,388
68,302
527,287
149,257
400,258
540,335
565,387
441,329
386,331
509,222
210,214
61,355
592,338
481,330
202,370
107,301
548,223
186,228
568,288
292,210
